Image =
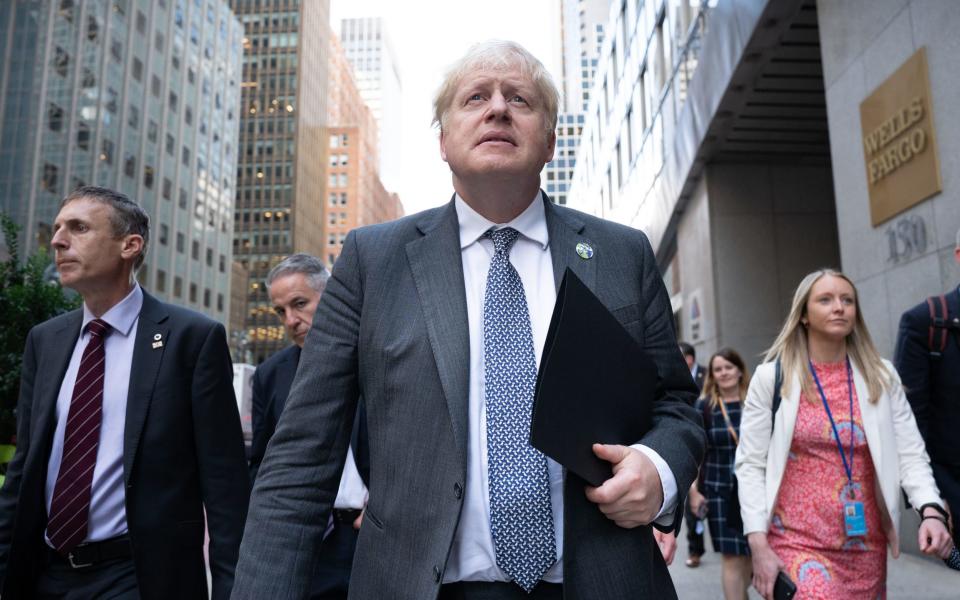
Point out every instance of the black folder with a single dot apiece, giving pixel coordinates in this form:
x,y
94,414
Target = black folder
x,y
595,384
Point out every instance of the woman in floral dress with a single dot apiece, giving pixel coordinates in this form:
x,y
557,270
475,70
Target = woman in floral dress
x,y
820,479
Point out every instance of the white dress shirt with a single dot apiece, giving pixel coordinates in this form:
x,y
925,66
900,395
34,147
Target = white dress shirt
x,y
108,516
473,557
352,493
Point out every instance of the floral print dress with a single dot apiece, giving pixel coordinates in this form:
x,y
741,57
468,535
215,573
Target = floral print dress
x,y
807,528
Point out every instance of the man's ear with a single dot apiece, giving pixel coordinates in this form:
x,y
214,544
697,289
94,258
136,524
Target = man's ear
x,y
132,246
551,145
443,149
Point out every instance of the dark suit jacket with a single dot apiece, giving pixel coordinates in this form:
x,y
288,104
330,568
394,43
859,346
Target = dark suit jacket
x,y
932,389
271,385
392,326
699,375
182,452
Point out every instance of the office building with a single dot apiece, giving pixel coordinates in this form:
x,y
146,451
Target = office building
x,y
368,48
135,95
355,194
281,185
582,23
756,141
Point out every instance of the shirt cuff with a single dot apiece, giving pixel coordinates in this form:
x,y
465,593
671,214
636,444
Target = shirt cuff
x,y
667,480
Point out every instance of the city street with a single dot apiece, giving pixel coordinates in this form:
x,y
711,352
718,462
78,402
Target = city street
x,y
908,577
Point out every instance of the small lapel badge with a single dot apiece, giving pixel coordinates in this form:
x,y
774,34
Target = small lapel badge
x,y
157,342
585,250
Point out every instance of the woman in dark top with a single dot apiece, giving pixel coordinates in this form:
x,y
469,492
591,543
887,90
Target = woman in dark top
x,y
724,389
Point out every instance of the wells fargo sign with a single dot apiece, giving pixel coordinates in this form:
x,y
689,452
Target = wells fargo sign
x,y
899,145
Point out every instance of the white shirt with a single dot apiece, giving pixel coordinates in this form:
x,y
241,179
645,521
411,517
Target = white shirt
x,y
108,516
472,557
352,493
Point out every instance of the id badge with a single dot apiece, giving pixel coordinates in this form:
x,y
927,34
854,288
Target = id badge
x,y
854,520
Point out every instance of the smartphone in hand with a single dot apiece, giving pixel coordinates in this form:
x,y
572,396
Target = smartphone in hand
x,y
784,588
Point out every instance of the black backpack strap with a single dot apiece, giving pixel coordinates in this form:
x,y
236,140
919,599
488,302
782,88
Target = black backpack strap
x,y
777,384
936,344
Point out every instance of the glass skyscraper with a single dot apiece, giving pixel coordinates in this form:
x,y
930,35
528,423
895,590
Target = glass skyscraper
x,y
141,96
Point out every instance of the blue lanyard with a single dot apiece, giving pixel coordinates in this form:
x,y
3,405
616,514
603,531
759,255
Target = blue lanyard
x,y
836,434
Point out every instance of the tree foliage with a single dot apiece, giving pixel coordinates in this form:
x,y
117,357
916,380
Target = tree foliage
x,y
27,298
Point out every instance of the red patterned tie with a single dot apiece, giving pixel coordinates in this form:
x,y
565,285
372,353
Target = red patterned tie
x,y
70,507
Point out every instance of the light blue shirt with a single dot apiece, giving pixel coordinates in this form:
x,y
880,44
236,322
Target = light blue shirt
x,y
108,517
473,557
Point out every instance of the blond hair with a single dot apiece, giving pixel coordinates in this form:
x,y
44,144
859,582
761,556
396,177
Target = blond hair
x,y
710,386
791,344
498,55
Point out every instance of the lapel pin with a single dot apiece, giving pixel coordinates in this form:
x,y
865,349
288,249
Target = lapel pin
x,y
157,342
585,250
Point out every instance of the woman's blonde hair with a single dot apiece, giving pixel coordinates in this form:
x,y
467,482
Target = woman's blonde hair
x,y
791,344
710,387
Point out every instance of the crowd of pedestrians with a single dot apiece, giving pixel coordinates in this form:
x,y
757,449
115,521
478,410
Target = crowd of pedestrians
x,y
806,462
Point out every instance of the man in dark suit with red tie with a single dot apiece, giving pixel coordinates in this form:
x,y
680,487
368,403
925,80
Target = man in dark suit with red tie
x,y
128,436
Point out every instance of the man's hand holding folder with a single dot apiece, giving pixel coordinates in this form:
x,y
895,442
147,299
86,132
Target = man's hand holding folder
x,y
595,391
624,498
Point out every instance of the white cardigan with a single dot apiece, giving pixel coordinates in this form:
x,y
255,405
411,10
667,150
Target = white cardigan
x,y
899,456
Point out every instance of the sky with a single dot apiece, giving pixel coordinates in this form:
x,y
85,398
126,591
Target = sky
x,y
429,35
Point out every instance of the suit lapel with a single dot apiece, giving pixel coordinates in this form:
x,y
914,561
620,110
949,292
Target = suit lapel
x,y
56,358
565,229
152,340
437,268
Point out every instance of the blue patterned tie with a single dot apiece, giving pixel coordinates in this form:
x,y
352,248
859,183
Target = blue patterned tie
x,y
520,514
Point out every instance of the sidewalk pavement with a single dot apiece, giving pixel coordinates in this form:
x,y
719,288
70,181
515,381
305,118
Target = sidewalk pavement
x,y
909,577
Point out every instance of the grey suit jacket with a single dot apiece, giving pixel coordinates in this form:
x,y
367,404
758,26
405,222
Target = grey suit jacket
x,y
392,326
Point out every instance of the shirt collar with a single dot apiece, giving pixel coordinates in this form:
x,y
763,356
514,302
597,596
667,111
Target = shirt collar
x,y
121,315
531,223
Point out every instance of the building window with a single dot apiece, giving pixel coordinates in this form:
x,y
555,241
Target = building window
x,y
136,69
112,98
195,250
177,287
116,50
209,257
54,117
141,23
133,117
223,263
61,61
155,86
172,99
169,144
220,302
182,202
48,180
152,131
164,232
193,292
161,280
83,136
130,166
167,188
206,297
93,28
180,242
148,177
106,151
88,80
